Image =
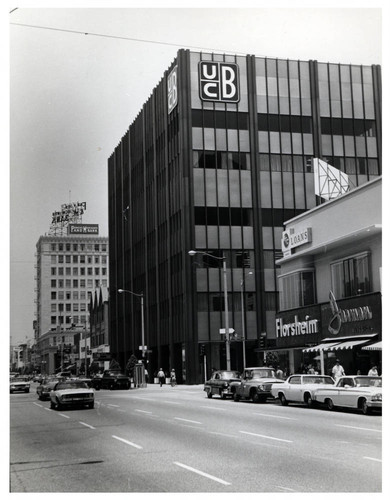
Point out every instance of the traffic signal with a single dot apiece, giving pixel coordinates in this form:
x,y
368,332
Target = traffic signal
x,y
262,342
202,349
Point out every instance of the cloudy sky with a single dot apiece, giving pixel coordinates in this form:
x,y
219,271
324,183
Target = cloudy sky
x,y
80,75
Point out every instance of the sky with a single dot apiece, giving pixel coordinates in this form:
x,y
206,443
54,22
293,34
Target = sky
x,y
79,74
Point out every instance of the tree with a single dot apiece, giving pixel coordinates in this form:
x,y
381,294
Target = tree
x,y
114,365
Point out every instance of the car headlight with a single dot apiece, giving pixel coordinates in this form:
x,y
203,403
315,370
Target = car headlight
x,y
377,397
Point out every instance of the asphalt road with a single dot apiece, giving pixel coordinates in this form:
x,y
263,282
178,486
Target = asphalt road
x,y
176,440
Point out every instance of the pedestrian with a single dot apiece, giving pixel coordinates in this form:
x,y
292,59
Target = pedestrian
x,y
279,372
337,370
173,377
161,376
311,370
373,372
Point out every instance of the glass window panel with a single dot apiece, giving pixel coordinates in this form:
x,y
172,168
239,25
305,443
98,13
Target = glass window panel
x,y
288,191
272,86
209,139
338,145
358,109
273,104
349,145
286,142
287,163
211,192
232,140
263,142
326,141
264,162
307,144
199,187
350,166
294,87
373,168
295,105
244,140
370,110
283,87
277,190
306,107
322,72
260,66
267,238
262,104
324,108
275,163
221,140
336,108
296,143
371,147
261,86
299,188
197,138
360,146
284,105
274,142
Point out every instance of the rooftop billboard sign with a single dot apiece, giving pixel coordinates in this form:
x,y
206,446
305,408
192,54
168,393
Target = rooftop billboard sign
x,y
219,81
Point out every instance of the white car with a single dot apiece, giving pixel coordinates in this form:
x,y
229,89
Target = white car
x,y
19,384
70,393
354,391
300,388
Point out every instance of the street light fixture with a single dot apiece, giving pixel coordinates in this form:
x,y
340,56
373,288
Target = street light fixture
x,y
141,295
227,333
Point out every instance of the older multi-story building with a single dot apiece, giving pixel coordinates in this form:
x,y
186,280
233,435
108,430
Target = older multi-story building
x,y
220,155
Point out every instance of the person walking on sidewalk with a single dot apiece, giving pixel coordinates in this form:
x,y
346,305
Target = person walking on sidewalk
x,y
161,376
173,377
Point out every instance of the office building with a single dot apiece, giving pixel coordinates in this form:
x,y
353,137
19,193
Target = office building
x,y
226,149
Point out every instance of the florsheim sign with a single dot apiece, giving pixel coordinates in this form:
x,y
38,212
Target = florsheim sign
x,y
83,229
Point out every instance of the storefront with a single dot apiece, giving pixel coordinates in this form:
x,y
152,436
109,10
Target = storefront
x,y
348,330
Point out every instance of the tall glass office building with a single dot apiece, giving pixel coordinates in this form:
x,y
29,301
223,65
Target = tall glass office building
x,y
218,158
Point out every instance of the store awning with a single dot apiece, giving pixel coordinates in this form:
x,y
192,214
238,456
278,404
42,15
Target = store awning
x,y
349,345
320,347
373,347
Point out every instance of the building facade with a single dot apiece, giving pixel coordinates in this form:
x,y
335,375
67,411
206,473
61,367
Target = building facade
x,y
99,327
330,285
218,158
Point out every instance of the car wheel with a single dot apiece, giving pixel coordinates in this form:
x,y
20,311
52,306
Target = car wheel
x,y
283,399
236,397
329,404
209,393
308,400
365,408
255,397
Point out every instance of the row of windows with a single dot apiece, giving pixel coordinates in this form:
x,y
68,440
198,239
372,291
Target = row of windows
x,y
215,302
69,320
77,270
78,247
349,277
82,259
78,283
221,160
75,295
79,306
223,216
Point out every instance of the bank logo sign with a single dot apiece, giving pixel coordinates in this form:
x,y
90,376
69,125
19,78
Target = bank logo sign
x,y
219,82
172,90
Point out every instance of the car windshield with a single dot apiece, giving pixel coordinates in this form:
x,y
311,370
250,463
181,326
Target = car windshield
x,y
71,385
263,373
368,381
229,375
318,380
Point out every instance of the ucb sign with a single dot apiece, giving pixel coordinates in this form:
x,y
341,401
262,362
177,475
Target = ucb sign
x,y
218,81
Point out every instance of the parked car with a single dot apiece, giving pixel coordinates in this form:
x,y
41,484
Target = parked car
x,y
219,383
300,388
19,384
46,386
68,393
111,379
353,391
255,384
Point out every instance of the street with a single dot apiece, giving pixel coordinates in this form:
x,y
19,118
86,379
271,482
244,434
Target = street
x,y
174,439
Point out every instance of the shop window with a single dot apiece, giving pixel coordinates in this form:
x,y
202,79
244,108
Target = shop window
x,y
296,289
351,276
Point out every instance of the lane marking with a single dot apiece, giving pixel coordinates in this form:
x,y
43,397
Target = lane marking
x,y
87,425
374,459
48,409
173,403
359,428
204,474
185,420
273,416
222,434
214,408
114,406
266,437
63,415
128,442
37,404
284,488
143,411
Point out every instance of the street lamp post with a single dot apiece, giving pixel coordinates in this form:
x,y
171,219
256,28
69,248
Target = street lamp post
x,y
141,295
243,320
227,334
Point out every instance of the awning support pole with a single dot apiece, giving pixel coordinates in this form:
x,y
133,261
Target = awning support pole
x,y
322,362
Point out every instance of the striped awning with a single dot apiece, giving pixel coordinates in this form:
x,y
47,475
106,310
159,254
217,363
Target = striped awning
x,y
348,345
321,347
373,347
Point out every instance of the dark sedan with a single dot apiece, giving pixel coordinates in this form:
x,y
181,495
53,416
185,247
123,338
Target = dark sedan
x,y
111,379
219,383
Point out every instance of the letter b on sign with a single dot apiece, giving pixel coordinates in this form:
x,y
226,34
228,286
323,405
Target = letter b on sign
x,y
218,81
172,89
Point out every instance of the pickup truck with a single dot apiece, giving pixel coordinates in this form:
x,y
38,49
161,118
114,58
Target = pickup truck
x,y
255,384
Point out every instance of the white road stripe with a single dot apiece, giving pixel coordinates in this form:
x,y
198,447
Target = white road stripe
x,y
128,442
185,420
374,459
114,406
273,416
36,404
214,408
143,411
65,416
284,488
87,425
359,428
266,437
48,409
204,474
